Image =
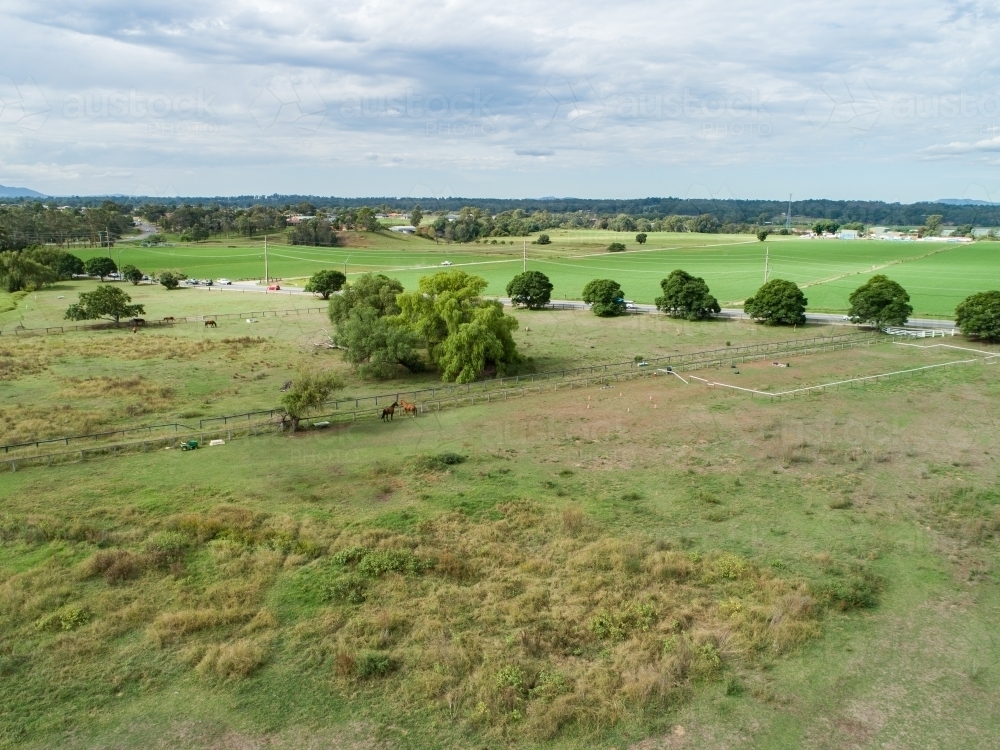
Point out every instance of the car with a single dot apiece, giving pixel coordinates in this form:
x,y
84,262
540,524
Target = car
x,y
224,282
208,282
446,263
274,288
191,282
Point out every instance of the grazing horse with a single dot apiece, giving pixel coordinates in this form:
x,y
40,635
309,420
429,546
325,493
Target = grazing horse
x,y
389,411
210,324
408,408
169,319
138,321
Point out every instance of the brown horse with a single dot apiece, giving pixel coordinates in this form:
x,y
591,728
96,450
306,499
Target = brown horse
x,y
408,408
210,324
388,412
168,319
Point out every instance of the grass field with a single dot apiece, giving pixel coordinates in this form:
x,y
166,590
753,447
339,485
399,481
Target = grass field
x,y
83,382
937,275
652,565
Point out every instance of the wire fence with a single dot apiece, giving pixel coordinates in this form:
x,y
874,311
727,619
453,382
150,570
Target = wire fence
x,y
167,321
707,357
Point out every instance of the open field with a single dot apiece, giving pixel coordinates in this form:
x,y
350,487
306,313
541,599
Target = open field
x,y
652,565
83,382
937,275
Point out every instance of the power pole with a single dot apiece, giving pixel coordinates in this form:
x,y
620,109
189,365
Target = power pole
x,y
524,255
266,277
788,216
107,236
767,253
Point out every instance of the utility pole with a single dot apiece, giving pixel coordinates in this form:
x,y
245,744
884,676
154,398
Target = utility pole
x,y
767,253
788,216
266,277
524,255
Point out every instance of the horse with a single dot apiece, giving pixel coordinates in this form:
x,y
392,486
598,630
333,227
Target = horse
x,y
409,408
210,324
138,321
168,319
389,411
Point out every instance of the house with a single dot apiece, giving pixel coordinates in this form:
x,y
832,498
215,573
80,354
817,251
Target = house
x,y
848,234
403,229
299,219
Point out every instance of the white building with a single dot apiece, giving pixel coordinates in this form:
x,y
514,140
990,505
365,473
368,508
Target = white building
x,y
403,229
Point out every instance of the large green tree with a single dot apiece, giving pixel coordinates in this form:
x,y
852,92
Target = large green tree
x,y
978,315
367,325
442,302
325,282
466,336
880,301
104,302
531,289
686,296
100,266
778,302
605,297
484,345
307,393
18,270
131,274
416,215
373,290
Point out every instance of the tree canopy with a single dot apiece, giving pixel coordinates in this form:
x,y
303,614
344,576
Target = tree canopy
x,y
325,282
416,216
100,266
978,315
485,344
778,302
171,279
531,289
109,302
605,297
20,270
373,290
641,238
465,335
308,392
826,226
132,274
880,301
686,296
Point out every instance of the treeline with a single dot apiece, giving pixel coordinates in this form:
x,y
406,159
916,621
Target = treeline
x,y
32,223
870,213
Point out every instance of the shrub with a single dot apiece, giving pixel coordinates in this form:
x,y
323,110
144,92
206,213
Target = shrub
x,y
69,617
616,247
441,461
349,589
543,239
373,664
855,591
231,661
619,624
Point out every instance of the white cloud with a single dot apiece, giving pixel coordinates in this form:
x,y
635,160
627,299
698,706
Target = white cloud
x,y
841,100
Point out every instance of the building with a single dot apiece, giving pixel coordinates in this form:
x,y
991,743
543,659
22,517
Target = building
x,y
848,234
403,229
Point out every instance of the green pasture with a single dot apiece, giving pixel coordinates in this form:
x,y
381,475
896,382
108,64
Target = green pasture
x,y
226,623
937,275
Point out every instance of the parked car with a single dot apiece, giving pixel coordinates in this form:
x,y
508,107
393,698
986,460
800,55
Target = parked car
x,y
208,282
446,263
224,282
274,288
191,282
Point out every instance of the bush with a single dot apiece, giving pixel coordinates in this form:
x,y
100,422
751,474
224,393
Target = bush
x,y
543,239
373,664
641,238
441,461
616,247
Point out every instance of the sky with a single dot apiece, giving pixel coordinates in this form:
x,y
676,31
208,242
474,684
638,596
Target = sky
x,y
895,101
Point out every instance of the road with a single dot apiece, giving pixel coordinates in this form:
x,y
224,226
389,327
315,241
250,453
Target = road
x,y
732,313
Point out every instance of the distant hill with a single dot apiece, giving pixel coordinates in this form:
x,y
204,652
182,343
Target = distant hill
x,y
965,202
18,192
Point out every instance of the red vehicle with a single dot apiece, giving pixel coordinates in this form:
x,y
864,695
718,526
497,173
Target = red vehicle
x,y
274,288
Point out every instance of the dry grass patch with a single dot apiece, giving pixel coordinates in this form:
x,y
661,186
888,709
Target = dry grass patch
x,y
22,423
535,622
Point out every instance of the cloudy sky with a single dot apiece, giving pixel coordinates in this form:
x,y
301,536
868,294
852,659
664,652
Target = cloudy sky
x,y
893,101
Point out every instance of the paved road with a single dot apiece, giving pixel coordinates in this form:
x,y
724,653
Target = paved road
x,y
825,318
